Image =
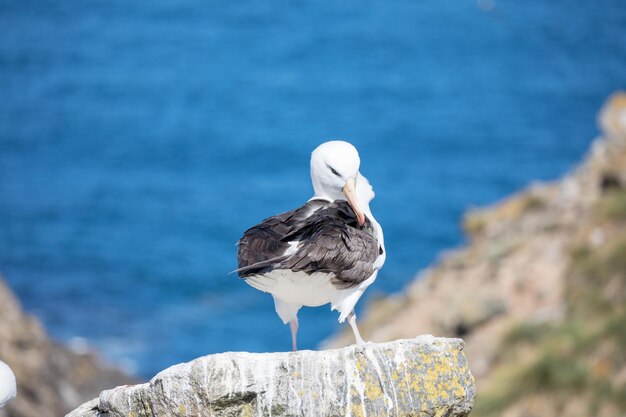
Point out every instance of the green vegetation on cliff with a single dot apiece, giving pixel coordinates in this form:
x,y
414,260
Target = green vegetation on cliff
x,y
576,364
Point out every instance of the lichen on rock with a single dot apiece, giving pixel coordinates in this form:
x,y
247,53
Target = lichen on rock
x,y
425,376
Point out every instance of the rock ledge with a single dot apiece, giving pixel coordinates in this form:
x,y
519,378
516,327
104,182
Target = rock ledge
x,y
425,376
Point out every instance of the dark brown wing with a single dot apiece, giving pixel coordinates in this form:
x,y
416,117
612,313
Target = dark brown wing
x,y
263,245
332,241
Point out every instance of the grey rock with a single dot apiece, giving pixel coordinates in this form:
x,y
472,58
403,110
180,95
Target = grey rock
x,y
425,376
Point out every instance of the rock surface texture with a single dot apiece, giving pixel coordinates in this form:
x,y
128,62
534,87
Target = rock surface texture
x,y
425,376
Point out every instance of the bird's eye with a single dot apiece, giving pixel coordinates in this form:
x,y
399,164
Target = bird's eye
x,y
334,172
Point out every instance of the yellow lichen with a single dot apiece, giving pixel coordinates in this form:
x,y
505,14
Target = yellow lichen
x,y
246,411
361,364
372,387
357,410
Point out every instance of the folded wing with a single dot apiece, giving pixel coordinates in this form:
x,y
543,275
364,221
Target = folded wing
x,y
328,239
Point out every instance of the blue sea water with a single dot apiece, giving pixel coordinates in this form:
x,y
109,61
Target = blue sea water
x,y
139,139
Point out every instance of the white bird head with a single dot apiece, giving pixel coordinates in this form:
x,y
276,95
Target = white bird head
x,y
335,175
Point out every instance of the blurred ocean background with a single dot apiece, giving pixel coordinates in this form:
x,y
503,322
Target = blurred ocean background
x,y
138,140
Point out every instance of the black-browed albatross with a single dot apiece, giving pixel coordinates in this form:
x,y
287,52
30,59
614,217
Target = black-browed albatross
x,y
327,251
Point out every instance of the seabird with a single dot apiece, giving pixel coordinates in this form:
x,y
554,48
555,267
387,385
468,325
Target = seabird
x,y
327,251
8,388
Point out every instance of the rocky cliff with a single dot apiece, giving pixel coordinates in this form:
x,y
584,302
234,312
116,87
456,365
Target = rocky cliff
x,y
425,376
538,293
51,379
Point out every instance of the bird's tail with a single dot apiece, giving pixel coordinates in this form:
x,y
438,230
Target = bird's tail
x,y
259,267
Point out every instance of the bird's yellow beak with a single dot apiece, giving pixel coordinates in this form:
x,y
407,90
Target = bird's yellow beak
x,y
350,191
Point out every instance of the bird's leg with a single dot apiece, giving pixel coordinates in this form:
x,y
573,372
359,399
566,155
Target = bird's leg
x,y
357,335
293,324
